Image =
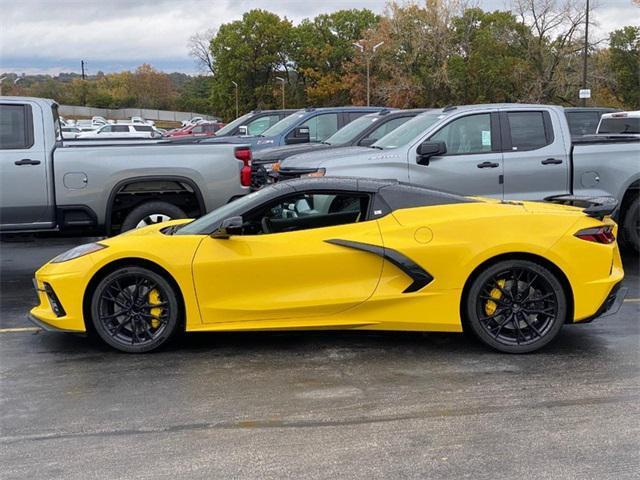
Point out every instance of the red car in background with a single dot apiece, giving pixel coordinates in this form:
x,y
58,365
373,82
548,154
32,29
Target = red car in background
x,y
202,129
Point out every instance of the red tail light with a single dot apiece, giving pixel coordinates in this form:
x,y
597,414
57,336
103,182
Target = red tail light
x,y
244,155
602,234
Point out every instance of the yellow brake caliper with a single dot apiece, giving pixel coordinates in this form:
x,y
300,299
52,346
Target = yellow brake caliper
x,y
490,306
154,299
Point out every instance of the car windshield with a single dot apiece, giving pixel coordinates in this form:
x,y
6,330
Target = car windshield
x,y
229,127
620,125
204,223
407,132
283,125
351,130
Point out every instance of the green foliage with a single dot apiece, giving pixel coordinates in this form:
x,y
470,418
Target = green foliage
x,y
625,64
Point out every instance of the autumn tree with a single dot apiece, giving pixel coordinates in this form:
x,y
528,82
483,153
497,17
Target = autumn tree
x,y
624,51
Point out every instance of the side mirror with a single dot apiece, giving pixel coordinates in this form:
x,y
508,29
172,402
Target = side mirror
x,y
243,130
298,135
367,142
428,149
230,226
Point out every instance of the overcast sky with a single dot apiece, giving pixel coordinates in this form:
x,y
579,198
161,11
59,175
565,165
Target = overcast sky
x,y
52,36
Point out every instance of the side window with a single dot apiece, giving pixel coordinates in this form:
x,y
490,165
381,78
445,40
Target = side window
x,y
583,123
197,129
528,131
385,128
106,129
467,135
142,128
305,211
120,128
322,126
351,116
259,125
16,130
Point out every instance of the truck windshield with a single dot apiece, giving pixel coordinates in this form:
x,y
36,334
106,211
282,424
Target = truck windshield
x,y
620,125
283,125
407,132
229,127
352,130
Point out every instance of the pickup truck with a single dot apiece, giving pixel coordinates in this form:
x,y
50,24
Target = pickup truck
x,y
506,151
303,126
47,184
363,131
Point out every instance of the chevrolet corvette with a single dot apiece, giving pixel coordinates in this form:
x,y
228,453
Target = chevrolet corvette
x,y
344,253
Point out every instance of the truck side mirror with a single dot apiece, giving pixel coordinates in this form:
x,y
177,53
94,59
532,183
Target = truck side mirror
x,y
229,226
428,149
298,135
243,130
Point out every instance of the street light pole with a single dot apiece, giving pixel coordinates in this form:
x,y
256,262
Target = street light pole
x,y
367,58
236,86
282,80
586,51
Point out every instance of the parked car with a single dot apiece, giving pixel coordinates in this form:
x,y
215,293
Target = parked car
x,y
363,131
584,120
253,123
50,184
506,151
303,126
141,121
201,129
70,132
121,130
344,253
620,123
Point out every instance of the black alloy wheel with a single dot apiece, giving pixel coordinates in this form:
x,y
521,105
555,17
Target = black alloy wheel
x,y
134,310
516,306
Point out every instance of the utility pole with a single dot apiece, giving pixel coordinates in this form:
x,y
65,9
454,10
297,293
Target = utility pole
x,y
82,67
283,82
586,52
236,86
367,58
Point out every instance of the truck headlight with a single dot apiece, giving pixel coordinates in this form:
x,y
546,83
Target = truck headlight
x,y
78,251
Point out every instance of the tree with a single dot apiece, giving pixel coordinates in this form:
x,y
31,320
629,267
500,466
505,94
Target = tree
x,y
251,52
624,46
200,49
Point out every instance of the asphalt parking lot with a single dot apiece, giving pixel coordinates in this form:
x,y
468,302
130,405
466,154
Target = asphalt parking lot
x,y
314,405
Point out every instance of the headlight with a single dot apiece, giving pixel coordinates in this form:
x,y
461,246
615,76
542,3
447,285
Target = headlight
x,y
318,173
78,251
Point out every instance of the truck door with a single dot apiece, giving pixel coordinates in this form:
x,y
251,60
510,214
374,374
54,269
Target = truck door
x,y
472,164
24,184
536,161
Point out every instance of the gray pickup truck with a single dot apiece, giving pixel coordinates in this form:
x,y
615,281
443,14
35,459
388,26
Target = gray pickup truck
x,y
50,185
507,151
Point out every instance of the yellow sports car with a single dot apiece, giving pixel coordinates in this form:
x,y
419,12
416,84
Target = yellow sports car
x,y
344,253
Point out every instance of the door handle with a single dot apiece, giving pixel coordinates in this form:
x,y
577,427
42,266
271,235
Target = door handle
x,y
27,161
488,165
551,161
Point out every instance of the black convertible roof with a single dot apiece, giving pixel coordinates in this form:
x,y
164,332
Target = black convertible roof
x,y
396,194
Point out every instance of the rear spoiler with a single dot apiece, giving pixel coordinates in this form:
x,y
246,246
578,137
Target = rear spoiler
x,y
596,207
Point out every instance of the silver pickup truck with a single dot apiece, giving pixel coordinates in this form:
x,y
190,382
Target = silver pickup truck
x,y
507,151
95,187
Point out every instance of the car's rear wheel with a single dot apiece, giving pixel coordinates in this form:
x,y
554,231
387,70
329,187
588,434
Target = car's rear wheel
x,y
631,225
135,310
516,306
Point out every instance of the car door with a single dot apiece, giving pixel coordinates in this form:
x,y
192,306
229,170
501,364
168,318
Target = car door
x,y
472,164
281,266
536,162
24,184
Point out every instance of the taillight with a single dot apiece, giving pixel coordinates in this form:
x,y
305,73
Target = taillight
x,y
602,234
244,155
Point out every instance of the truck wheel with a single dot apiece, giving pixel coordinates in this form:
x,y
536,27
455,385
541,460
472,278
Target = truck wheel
x,y
631,225
150,213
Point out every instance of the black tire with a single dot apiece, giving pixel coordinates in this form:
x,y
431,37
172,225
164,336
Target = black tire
x,y
520,320
122,310
151,209
631,225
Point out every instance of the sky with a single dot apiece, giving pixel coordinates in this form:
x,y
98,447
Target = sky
x,y
52,36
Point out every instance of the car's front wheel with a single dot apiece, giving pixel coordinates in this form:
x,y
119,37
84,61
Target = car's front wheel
x,y
134,309
516,306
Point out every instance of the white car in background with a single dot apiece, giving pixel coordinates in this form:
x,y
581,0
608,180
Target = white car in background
x,y
69,131
142,121
620,123
121,130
